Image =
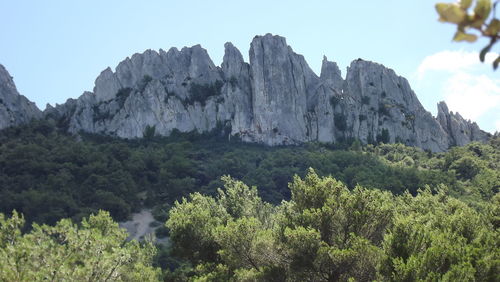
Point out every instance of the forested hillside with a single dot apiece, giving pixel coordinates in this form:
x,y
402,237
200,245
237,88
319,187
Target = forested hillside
x,y
48,175
381,211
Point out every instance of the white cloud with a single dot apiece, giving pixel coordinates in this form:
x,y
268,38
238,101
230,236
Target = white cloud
x,y
468,86
452,61
471,95
447,61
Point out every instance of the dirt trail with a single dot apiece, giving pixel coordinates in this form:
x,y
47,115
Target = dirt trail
x,y
139,226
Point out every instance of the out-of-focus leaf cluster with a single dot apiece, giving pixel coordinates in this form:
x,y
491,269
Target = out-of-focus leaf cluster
x,y
474,19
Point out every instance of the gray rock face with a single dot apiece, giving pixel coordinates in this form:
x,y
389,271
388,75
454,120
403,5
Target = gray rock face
x,y
15,109
460,131
385,102
282,82
276,99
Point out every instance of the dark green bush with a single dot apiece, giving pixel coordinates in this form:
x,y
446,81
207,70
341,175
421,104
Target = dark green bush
x,y
201,92
340,121
384,136
146,79
122,95
383,110
365,100
334,101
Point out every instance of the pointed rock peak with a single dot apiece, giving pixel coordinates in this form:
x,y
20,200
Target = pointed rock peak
x,y
5,77
231,51
172,51
232,60
150,51
269,40
443,108
104,75
107,71
15,109
197,53
269,48
362,63
369,65
106,84
329,70
3,71
370,70
194,49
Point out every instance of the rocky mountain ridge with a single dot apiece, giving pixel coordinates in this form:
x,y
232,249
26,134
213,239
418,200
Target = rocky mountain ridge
x,y
275,99
15,109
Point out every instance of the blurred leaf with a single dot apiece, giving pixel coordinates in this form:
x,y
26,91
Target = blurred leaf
x,y
482,9
486,49
461,36
496,62
477,22
493,28
465,4
450,13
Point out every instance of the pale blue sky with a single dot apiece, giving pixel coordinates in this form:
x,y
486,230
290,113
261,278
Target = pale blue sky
x,y
55,49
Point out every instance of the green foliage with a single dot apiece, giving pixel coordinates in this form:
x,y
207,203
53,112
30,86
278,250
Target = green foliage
x,y
98,114
94,251
436,237
327,232
384,136
191,225
340,121
233,81
334,101
473,23
149,132
472,170
322,224
201,92
122,95
384,110
146,79
48,175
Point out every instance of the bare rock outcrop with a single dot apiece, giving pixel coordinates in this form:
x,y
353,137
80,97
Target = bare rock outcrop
x,y
275,99
15,109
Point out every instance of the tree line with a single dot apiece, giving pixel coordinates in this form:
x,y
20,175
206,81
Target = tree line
x,y
48,175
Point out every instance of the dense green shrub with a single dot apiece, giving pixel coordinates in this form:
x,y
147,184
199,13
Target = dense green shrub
x,y
327,232
146,79
94,250
384,110
384,136
122,95
334,101
340,121
201,92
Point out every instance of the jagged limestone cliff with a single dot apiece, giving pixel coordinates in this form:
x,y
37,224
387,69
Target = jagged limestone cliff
x,y
276,99
15,109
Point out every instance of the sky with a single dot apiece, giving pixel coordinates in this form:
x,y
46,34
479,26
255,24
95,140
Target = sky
x,y
56,49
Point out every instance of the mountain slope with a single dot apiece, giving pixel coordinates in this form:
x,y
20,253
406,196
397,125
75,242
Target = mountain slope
x,y
15,109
